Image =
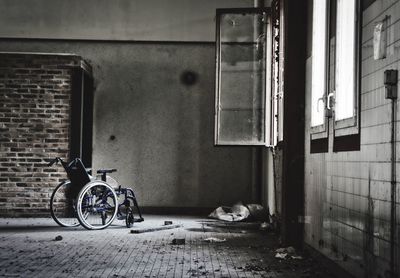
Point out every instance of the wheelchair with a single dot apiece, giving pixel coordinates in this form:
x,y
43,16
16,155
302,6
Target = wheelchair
x,y
89,201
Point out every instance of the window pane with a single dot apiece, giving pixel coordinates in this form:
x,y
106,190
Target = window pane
x,y
345,59
240,27
241,79
318,62
242,100
241,126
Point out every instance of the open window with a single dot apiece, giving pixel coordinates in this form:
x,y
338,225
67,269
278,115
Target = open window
x,y
243,112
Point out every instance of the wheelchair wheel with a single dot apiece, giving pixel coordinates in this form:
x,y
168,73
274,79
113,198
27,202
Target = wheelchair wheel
x,y
62,206
97,205
130,219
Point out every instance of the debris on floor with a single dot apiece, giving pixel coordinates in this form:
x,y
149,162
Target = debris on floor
x,y
285,253
281,255
258,212
264,226
289,250
178,241
240,212
58,238
155,229
214,239
253,267
296,257
28,249
237,212
167,222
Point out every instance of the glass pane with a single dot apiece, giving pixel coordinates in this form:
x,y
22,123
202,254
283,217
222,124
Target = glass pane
x,y
241,27
241,126
345,59
318,62
241,79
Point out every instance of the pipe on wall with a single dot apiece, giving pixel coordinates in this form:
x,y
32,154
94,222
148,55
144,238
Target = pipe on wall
x,y
393,247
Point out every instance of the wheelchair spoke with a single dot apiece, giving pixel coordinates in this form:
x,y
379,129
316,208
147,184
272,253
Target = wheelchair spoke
x,y
97,205
62,206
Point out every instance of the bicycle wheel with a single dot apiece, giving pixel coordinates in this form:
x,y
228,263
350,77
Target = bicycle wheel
x,y
97,205
62,207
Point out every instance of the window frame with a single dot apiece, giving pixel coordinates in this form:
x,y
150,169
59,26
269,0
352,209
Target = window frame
x,y
268,114
351,126
278,57
321,131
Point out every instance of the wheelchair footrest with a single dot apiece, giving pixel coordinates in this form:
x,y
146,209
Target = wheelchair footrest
x,y
141,219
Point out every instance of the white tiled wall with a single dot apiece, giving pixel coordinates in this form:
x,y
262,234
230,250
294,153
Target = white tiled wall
x,y
348,194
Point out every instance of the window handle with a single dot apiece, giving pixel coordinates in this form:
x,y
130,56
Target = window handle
x,y
331,101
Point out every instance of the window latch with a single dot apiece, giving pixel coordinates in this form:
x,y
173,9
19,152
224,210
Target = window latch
x,y
330,103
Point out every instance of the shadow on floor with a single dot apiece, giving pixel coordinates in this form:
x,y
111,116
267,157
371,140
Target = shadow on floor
x,y
49,228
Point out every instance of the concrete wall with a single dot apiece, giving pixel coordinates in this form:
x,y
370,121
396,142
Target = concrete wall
x,y
348,194
140,20
163,128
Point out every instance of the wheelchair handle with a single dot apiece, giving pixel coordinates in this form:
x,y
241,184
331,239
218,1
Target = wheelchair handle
x,y
54,161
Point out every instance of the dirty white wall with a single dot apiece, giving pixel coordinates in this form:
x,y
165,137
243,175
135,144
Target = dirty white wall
x,y
149,20
348,194
163,128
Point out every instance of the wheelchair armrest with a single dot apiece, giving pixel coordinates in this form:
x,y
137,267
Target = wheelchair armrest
x,y
106,171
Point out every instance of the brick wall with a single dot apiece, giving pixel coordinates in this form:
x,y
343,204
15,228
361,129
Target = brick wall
x,y
34,127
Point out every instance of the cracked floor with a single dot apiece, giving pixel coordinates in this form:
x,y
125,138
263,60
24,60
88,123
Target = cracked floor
x,y
28,248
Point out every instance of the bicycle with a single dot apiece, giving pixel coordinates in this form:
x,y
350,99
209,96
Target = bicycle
x,y
90,201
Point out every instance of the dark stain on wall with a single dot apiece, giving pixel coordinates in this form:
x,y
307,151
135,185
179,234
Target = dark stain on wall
x,y
189,78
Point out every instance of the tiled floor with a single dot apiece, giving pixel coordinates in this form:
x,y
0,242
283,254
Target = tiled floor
x,y
28,249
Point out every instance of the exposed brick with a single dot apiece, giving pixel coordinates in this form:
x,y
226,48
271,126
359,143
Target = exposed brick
x,y
34,127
